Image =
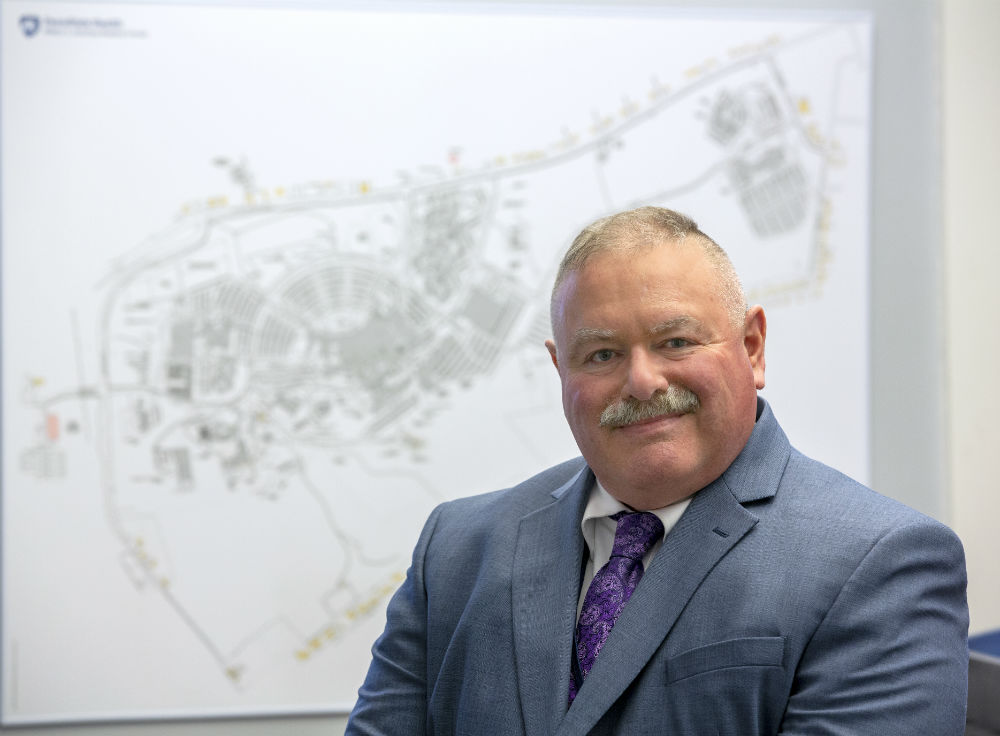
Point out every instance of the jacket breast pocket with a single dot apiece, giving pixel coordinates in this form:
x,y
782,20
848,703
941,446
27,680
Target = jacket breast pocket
x,y
757,651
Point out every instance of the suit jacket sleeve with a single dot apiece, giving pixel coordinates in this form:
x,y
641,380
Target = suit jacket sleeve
x,y
891,655
393,698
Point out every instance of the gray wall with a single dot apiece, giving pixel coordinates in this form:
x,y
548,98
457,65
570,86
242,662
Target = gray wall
x,y
971,119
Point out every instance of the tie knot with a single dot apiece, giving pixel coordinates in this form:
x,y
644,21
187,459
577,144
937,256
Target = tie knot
x,y
636,534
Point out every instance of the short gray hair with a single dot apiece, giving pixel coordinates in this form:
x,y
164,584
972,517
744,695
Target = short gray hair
x,y
646,227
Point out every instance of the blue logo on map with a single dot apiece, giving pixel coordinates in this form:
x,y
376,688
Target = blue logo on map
x,y
30,25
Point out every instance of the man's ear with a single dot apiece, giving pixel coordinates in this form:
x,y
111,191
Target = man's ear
x,y
552,352
754,335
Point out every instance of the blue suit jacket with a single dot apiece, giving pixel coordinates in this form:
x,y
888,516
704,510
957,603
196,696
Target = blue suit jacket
x,y
787,599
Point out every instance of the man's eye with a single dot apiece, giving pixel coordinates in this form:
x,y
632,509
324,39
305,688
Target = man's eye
x,y
677,342
602,356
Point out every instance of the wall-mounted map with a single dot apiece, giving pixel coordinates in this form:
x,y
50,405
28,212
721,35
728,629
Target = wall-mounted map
x,y
275,283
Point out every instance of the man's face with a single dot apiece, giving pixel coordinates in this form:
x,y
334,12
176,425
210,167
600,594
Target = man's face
x,y
628,326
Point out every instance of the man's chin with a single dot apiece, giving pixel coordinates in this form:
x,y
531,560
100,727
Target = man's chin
x,y
649,482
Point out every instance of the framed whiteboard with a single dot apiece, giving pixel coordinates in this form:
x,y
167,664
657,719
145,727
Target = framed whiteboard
x,y
275,283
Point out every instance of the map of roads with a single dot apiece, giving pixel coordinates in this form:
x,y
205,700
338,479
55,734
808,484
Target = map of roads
x,y
268,301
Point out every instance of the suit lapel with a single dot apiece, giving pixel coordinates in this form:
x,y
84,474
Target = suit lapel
x,y
711,526
545,590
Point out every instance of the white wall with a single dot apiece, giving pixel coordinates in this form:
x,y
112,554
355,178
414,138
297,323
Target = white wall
x,y
971,137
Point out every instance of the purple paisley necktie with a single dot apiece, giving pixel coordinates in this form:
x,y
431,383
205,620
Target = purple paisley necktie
x,y
611,588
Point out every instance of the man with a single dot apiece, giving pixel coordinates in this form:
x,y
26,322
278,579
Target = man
x,y
765,593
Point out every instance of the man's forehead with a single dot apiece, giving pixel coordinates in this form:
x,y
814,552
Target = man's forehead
x,y
680,271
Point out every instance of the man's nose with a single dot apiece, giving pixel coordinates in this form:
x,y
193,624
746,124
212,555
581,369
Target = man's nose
x,y
645,376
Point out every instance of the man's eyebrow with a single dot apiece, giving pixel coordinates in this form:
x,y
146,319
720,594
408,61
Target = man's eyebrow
x,y
585,335
684,322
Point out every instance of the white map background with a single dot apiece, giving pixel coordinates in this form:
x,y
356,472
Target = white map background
x,y
275,283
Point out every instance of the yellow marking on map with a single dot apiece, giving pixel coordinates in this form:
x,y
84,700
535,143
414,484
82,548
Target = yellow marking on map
x,y
568,140
700,69
522,157
749,49
659,91
601,124
316,643
826,216
815,135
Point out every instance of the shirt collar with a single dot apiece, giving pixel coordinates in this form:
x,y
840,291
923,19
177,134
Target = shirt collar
x,y
602,504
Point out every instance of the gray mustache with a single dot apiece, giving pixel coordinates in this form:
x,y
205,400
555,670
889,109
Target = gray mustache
x,y
630,410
